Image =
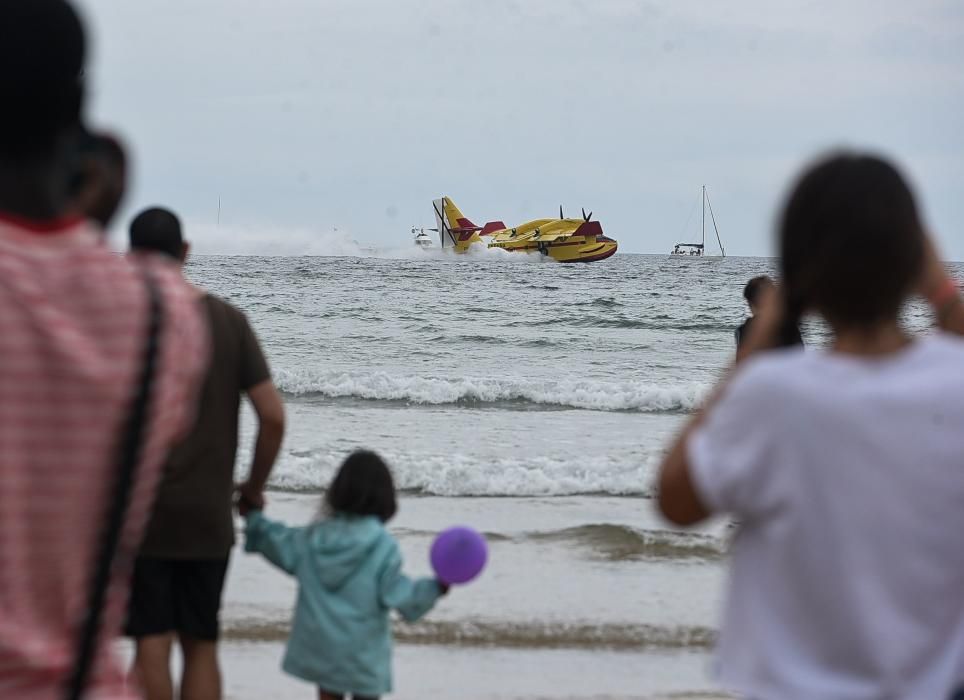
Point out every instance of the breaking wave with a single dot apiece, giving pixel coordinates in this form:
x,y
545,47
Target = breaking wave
x,y
532,635
476,339
463,475
622,543
663,323
477,391
616,542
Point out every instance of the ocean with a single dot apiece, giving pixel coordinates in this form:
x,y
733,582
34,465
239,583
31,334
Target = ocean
x,y
529,399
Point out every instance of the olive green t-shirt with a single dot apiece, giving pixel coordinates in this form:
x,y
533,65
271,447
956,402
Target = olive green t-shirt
x,y
193,516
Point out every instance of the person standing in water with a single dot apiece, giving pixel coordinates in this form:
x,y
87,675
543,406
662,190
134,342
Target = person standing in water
x,y
844,466
753,293
180,569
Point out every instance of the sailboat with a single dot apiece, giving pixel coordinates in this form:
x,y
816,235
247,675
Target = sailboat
x,y
698,250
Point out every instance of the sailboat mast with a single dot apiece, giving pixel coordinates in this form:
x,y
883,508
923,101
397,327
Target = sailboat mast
x,y
703,220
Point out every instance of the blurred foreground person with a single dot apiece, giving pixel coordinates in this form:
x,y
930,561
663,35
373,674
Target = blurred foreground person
x,y
84,390
844,466
100,180
754,292
179,574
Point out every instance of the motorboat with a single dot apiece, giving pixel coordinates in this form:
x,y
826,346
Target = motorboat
x,y
422,239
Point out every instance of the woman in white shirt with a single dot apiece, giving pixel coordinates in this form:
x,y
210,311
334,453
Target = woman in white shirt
x,y
844,466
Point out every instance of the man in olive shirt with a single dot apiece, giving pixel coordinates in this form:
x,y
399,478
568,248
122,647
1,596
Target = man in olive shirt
x,y
179,574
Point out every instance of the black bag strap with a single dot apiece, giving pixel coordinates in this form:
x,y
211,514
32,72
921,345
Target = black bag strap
x,y
128,459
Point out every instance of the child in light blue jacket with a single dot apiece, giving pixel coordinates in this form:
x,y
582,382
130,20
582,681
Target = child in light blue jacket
x,y
349,578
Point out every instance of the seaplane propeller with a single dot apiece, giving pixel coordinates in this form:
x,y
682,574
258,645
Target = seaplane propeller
x,y
585,216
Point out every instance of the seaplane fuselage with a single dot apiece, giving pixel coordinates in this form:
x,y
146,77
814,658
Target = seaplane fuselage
x,y
562,239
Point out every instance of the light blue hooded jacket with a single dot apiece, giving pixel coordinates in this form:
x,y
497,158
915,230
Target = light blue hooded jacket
x,y
349,578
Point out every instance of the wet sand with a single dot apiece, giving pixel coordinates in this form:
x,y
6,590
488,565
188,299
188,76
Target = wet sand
x,y
464,673
252,670
584,597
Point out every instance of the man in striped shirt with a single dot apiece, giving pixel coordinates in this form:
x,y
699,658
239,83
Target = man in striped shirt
x,y
73,327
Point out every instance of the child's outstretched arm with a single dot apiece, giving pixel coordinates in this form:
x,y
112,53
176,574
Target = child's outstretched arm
x,y
412,598
278,543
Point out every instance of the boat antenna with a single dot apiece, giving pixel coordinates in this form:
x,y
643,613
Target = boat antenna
x,y
713,218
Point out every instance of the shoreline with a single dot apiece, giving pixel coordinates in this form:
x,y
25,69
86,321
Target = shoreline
x,y
253,670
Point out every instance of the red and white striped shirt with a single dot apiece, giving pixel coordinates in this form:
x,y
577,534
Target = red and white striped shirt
x,y
73,326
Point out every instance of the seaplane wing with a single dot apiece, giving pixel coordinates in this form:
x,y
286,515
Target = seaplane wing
x,y
565,240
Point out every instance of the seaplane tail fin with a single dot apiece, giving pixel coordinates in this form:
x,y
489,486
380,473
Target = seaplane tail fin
x,y
444,232
454,228
492,227
456,217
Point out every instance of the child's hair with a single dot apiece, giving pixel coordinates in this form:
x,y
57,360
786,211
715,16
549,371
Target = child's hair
x,y
363,486
851,241
751,291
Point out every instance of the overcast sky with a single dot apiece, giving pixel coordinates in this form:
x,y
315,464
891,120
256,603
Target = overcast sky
x,y
304,115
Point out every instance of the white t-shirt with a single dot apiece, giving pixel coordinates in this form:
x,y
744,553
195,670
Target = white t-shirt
x,y
847,476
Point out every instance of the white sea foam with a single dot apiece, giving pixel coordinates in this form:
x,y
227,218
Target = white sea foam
x,y
475,475
477,251
628,395
272,240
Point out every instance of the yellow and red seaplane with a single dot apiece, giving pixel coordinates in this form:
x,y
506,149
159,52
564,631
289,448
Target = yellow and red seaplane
x,y
562,239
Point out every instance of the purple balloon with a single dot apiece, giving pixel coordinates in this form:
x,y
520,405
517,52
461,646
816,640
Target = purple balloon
x,y
458,555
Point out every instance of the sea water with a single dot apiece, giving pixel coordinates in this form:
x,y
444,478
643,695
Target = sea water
x,y
529,399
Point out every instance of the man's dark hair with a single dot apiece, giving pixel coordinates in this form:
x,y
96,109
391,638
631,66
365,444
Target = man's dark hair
x,y
158,230
751,292
363,486
41,75
851,241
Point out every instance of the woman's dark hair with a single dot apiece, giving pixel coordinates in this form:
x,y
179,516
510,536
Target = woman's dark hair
x,y
363,486
851,241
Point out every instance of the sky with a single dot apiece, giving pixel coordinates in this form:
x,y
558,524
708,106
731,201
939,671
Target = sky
x,y
302,117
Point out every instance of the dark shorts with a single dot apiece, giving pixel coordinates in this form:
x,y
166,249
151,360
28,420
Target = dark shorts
x,y
176,595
